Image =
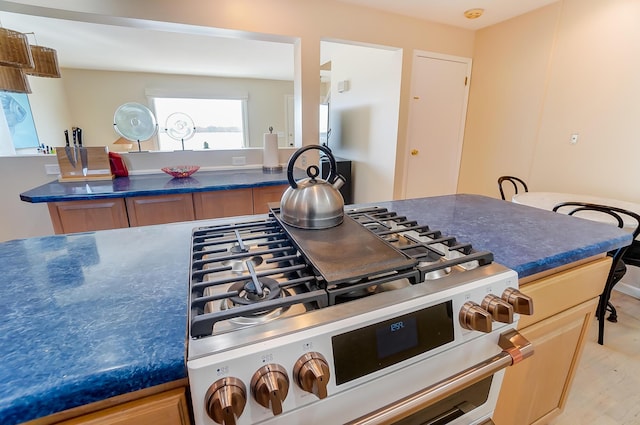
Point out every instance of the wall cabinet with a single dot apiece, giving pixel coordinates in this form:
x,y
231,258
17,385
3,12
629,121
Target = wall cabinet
x,y
535,390
102,214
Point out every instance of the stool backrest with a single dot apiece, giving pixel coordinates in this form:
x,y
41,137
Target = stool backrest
x,y
515,181
618,214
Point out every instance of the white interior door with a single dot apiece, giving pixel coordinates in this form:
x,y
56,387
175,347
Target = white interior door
x,y
439,92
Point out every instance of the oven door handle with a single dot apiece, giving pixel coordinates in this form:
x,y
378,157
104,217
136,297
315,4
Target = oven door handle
x,y
515,348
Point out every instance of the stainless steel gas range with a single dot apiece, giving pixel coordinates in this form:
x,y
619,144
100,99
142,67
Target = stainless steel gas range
x,y
377,320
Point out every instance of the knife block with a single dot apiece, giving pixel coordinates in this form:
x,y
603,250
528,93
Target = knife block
x,y
98,166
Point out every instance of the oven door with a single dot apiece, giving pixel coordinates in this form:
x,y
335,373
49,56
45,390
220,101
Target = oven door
x,y
468,394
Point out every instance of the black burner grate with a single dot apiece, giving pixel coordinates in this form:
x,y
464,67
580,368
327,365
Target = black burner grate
x,y
419,241
247,270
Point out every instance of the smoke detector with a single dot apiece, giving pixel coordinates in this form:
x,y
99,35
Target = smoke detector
x,y
473,13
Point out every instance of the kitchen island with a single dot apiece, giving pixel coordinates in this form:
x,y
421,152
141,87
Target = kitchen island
x,y
146,199
97,315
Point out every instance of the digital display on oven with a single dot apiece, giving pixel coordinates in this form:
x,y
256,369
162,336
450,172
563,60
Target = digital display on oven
x,y
396,337
374,347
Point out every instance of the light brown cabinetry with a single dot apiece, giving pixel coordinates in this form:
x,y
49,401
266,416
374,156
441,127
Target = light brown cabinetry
x,y
223,203
229,203
534,391
168,408
82,216
262,196
165,404
147,210
102,214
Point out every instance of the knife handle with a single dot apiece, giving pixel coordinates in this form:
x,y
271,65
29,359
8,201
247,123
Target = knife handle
x,y
66,137
79,134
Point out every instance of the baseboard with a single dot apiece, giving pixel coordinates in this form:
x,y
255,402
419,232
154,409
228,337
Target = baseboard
x,y
632,291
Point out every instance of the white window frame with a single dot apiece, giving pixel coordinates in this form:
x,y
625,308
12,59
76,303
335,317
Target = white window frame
x,y
152,94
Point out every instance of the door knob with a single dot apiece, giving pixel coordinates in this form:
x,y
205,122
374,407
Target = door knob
x,y
414,152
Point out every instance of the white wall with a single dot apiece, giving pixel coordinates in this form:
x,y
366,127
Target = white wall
x,y
364,118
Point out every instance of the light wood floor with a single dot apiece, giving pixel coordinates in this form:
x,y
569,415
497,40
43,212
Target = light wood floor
x,y
606,388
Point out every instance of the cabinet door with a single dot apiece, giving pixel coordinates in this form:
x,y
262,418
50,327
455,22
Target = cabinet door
x,y
536,389
169,408
223,203
146,210
84,216
564,305
265,194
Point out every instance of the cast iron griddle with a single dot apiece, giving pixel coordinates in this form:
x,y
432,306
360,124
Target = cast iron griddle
x,y
346,252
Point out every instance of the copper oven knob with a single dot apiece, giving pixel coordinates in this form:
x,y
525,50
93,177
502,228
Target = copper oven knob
x,y
522,304
311,373
225,400
269,386
474,317
500,310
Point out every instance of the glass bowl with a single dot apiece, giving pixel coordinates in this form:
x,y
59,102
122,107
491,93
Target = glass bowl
x,y
181,171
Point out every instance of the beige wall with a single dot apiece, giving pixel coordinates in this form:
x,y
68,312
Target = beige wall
x,y
94,96
309,21
571,67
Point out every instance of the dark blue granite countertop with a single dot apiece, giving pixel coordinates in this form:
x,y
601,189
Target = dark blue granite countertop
x,y
89,316
153,184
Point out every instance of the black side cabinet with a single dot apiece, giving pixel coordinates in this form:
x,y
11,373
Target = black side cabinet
x,y
344,168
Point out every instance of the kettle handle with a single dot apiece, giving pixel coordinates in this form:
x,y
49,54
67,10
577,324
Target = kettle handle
x,y
296,154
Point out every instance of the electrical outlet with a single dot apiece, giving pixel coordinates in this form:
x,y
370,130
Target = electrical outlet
x,y
574,138
52,169
238,160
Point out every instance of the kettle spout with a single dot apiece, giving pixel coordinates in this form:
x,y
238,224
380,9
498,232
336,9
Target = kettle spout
x,y
338,181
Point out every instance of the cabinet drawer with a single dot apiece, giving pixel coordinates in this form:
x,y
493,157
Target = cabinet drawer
x,y
223,203
84,216
146,210
564,290
168,408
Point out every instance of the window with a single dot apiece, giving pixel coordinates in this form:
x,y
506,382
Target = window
x,y
218,123
17,128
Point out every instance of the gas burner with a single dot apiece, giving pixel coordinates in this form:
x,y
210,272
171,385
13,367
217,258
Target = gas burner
x,y
247,295
248,273
251,292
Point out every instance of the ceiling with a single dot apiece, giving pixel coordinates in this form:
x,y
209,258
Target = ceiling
x,y
193,50
451,12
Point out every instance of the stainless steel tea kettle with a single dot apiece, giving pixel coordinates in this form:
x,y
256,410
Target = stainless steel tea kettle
x,y
313,203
